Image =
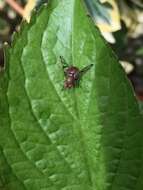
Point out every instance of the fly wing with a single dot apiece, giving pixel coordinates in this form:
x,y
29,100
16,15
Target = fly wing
x,y
64,64
85,69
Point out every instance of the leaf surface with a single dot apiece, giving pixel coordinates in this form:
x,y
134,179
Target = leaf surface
x,y
85,138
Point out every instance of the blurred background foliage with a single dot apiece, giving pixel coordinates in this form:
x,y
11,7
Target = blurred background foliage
x,y
120,22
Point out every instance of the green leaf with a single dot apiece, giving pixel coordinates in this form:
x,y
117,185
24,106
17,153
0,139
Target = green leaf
x,y
139,51
141,106
85,138
99,12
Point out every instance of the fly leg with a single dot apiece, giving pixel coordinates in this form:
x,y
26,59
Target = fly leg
x,y
64,64
85,69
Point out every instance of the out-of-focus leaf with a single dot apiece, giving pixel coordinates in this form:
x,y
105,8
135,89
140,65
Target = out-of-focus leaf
x,y
128,67
127,14
106,17
141,106
98,11
40,2
138,3
3,24
30,5
132,17
109,37
4,28
2,4
28,8
139,51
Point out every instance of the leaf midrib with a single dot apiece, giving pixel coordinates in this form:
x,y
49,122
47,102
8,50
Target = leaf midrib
x,y
81,134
